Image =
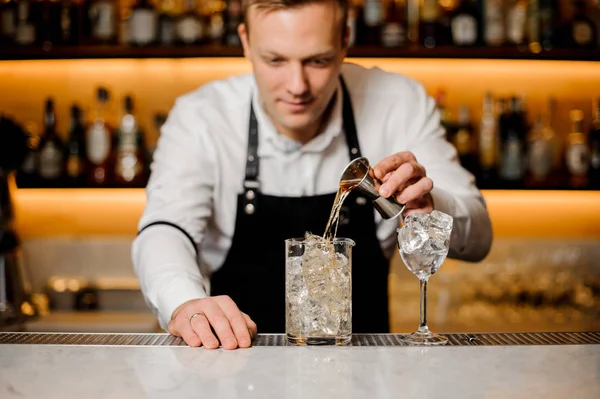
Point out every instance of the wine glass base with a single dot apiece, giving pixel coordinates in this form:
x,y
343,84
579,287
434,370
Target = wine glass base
x,y
425,338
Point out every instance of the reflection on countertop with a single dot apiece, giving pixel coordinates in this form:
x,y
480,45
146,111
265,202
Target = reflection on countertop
x,y
299,372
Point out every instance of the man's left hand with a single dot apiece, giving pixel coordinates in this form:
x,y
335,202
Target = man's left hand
x,y
401,175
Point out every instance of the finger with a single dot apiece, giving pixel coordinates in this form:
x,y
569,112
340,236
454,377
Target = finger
x,y
201,327
391,163
418,206
251,324
386,177
400,178
421,205
236,320
180,327
220,324
415,191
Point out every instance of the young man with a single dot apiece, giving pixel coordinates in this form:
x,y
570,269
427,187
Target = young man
x,y
244,163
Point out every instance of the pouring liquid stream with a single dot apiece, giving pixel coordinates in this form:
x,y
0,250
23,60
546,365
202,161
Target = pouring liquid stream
x,y
346,186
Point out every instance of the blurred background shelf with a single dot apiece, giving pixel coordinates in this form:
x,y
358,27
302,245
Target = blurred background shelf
x,y
116,212
49,52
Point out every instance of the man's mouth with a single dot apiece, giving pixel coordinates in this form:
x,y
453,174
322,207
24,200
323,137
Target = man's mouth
x,y
298,105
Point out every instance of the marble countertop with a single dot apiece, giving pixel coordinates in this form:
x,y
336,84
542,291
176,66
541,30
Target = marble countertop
x,y
74,371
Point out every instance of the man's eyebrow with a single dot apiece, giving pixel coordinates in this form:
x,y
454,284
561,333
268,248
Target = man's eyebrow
x,y
270,53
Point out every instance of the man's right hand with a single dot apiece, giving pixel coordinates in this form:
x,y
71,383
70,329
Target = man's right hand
x,y
193,320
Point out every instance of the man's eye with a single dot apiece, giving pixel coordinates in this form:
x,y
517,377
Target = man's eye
x,y
320,62
274,61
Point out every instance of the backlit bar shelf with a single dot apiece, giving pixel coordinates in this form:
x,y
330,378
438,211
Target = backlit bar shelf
x,y
111,212
49,52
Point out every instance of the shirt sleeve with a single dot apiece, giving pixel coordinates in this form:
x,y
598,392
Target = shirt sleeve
x,y
178,205
454,192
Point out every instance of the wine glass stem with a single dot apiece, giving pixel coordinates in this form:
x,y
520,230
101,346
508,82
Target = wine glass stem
x,y
423,316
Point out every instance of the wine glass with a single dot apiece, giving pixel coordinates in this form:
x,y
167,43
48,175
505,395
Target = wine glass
x,y
423,243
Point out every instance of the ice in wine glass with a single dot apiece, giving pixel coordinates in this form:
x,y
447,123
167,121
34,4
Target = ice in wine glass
x,y
423,243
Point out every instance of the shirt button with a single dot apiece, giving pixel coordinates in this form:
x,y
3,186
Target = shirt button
x,y
361,201
249,209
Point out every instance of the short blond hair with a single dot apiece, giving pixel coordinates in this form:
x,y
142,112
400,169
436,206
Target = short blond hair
x,y
273,5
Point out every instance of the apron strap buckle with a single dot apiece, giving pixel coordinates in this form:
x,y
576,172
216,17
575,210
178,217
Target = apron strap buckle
x,y
251,188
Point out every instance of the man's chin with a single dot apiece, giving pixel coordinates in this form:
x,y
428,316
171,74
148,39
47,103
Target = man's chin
x,y
296,119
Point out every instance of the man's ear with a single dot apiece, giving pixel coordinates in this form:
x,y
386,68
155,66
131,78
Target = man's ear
x,y
346,38
345,41
243,33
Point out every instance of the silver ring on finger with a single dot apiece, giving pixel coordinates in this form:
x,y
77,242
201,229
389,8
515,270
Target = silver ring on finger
x,y
194,315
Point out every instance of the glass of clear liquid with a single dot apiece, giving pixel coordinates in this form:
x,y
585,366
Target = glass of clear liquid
x,y
318,291
423,242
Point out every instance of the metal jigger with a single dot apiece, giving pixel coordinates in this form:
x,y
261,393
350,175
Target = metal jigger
x,y
359,174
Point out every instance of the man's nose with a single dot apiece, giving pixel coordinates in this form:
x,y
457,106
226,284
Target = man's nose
x,y
298,81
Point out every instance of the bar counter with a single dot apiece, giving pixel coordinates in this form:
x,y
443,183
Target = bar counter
x,y
525,365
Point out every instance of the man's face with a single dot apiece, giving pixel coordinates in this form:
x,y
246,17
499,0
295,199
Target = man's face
x,y
296,55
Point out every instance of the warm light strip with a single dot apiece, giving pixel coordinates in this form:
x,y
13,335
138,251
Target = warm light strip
x,y
86,212
155,83
572,214
78,212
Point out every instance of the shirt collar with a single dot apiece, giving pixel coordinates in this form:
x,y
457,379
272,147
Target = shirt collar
x,y
270,142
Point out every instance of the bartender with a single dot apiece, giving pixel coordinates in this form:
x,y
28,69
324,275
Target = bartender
x,y
244,163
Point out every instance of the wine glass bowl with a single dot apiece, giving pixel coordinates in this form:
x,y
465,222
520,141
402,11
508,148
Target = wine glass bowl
x,y
423,243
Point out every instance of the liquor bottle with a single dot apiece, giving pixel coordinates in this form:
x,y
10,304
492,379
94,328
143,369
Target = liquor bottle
x,y
103,20
143,24
216,26
129,165
533,26
548,23
8,22
594,14
166,22
488,144
582,30
465,24
463,141
99,142
594,144
189,26
233,17
76,165
557,172
393,33
71,20
577,152
445,117
494,26
413,17
373,21
446,12
50,160
47,16
516,22
25,31
540,153
512,136
159,120
27,174
351,23
430,34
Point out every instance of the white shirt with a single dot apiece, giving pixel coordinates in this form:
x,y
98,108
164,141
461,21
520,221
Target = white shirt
x,y
199,166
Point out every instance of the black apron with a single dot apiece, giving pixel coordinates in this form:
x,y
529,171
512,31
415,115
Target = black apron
x,y
253,273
